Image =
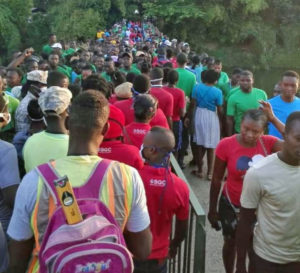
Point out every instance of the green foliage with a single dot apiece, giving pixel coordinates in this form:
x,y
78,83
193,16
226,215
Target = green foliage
x,y
238,31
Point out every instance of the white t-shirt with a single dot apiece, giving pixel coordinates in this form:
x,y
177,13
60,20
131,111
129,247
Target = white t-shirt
x,y
273,187
20,228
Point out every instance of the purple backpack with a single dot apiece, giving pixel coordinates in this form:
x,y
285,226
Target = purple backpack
x,y
94,245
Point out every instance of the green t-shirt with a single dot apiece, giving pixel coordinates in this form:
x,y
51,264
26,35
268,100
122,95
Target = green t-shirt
x,y
240,102
13,104
222,80
131,70
232,91
67,52
106,76
186,82
47,49
50,146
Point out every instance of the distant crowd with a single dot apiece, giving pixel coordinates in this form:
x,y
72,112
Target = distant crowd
x,y
118,105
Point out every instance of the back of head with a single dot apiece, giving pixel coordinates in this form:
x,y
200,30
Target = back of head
x,y
89,111
210,76
96,82
141,84
130,77
144,107
182,59
163,138
237,71
145,67
156,74
173,76
34,111
55,78
291,120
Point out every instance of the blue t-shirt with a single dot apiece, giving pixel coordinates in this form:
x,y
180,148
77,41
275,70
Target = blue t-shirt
x,y
9,174
208,97
282,110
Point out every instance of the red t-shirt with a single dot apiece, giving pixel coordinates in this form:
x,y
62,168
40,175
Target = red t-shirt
x,y
175,201
135,132
238,158
179,101
116,150
165,100
113,99
126,106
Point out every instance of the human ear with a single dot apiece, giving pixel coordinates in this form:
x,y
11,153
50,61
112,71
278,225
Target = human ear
x,y
105,128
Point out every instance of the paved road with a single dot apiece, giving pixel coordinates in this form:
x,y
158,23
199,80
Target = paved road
x,y
214,239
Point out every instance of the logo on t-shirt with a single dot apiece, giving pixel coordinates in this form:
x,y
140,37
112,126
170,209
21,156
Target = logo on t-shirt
x,y
105,150
139,131
157,183
244,162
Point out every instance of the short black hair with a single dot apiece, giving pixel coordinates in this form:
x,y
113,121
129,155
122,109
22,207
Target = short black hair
x,y
292,118
237,71
118,78
156,73
16,70
173,76
144,107
181,58
55,78
145,67
141,84
247,73
291,73
34,110
130,77
89,111
210,76
256,115
218,62
75,90
96,82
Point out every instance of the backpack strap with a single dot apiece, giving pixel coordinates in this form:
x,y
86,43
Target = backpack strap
x,y
48,174
96,178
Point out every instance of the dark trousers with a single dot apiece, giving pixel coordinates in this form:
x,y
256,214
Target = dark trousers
x,y
263,266
184,144
150,266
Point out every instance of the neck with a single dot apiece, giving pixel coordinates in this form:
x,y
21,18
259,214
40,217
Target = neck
x,y
287,99
56,128
209,84
285,156
181,66
127,67
80,146
243,143
247,90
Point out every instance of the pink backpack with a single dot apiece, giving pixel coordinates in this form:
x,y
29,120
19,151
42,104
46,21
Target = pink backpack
x,y
94,245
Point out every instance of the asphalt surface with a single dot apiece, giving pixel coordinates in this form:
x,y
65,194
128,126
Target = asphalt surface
x,y
214,239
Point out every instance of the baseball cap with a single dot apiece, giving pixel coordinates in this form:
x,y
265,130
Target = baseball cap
x,y
57,45
140,53
55,100
38,76
116,122
126,54
123,90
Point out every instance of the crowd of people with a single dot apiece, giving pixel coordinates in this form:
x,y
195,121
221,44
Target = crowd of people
x,y
134,96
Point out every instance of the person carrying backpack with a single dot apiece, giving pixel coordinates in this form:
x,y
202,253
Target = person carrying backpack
x,y
121,188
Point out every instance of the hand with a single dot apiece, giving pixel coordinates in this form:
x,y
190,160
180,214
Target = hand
x,y
186,122
28,52
267,108
172,250
213,218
